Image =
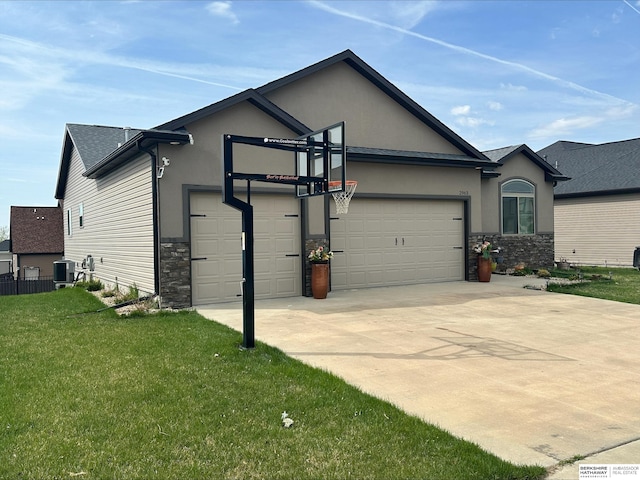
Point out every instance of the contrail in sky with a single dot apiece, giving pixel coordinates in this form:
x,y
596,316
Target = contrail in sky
x,y
466,51
632,7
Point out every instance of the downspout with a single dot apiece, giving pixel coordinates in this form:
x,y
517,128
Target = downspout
x,y
156,221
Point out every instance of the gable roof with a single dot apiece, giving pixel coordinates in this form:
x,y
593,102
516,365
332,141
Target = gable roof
x,y
602,169
250,95
103,148
257,98
502,155
387,87
5,245
36,230
94,142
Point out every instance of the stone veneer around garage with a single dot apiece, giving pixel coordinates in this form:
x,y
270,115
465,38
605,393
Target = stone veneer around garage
x,y
535,251
175,274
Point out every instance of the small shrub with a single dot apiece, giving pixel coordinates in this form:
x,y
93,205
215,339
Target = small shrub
x,y
133,294
523,272
544,273
91,285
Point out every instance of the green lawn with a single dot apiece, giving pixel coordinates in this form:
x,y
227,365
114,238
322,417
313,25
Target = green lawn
x,y
171,396
618,284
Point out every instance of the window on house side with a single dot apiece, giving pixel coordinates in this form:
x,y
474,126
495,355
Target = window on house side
x,y
81,215
518,208
69,218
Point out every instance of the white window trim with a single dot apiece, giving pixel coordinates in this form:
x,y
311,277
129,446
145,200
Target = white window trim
x,y
81,215
517,195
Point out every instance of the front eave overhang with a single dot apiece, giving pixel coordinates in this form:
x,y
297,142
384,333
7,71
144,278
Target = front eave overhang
x,y
138,144
399,157
550,177
490,174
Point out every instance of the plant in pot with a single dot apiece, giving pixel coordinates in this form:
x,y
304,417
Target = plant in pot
x,y
484,251
319,259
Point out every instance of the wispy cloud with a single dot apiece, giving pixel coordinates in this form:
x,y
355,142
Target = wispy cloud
x,y
223,9
464,118
32,55
461,110
410,14
466,51
569,126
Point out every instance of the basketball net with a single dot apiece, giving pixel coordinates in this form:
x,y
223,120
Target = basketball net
x,y
342,198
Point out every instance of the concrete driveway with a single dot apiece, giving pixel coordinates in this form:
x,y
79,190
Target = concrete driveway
x,y
531,376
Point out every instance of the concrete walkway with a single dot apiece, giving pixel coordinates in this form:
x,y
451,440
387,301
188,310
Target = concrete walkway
x,y
531,376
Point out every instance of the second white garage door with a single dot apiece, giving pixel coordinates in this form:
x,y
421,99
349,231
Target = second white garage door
x,y
397,242
216,266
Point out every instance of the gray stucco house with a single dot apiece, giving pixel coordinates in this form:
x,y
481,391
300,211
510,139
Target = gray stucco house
x,y
597,212
145,205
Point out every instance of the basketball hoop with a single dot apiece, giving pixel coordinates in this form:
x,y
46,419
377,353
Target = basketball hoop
x,y
342,198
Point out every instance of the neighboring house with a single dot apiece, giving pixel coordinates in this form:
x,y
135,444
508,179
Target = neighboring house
x,y
425,196
597,211
37,240
6,257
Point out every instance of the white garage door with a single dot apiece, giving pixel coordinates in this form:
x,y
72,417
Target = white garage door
x,y
397,242
216,250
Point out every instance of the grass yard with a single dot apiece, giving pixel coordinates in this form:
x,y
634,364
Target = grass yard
x,y
171,395
618,284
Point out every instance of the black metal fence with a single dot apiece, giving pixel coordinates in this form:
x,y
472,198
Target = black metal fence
x,y
9,286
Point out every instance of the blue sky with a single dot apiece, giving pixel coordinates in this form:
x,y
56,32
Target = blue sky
x,y
498,73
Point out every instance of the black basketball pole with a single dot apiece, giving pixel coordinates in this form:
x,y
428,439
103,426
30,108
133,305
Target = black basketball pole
x,y
316,185
248,294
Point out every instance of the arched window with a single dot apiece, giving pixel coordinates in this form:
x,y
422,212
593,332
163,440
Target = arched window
x,y
518,208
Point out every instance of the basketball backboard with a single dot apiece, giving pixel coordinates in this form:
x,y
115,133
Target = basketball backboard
x,y
325,159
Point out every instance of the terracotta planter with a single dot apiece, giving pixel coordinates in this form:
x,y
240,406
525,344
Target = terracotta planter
x,y
484,269
320,279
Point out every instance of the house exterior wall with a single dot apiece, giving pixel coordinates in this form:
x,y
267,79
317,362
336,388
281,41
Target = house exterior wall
x,y
599,230
419,182
522,168
200,164
118,223
373,119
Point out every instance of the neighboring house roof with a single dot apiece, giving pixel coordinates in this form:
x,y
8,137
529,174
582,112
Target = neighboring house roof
x,y
604,169
502,155
5,245
102,148
36,230
257,98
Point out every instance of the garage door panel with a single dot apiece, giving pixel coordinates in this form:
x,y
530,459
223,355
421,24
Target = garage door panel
x,y
217,236
402,242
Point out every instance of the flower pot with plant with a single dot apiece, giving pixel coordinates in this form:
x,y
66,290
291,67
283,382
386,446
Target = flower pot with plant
x,y
319,259
484,251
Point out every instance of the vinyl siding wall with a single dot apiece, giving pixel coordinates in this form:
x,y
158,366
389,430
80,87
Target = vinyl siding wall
x,y
598,230
118,223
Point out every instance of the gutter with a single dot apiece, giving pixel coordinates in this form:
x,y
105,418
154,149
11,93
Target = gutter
x,y
155,199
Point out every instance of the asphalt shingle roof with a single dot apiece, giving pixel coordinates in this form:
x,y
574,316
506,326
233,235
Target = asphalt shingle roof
x,y
595,169
94,142
36,230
